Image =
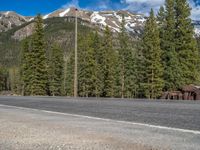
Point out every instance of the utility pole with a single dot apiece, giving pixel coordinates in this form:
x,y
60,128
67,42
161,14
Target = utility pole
x,y
76,59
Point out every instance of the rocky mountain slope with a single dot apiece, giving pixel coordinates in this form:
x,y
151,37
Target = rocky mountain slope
x,y
100,19
134,22
10,19
113,19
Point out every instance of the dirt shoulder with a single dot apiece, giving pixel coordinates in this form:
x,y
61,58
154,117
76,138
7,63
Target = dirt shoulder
x,y
27,129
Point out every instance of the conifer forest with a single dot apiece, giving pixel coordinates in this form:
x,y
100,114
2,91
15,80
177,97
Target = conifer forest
x,y
165,57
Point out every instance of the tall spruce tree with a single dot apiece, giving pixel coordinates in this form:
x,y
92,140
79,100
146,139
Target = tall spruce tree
x,y
168,46
153,82
39,77
96,43
25,68
186,46
161,19
87,66
108,65
126,64
68,83
55,71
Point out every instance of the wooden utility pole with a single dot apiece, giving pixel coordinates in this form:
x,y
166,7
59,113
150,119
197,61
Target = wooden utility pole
x,y
76,59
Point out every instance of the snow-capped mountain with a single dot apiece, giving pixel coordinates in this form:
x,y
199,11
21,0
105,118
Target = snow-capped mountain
x,y
101,19
10,19
112,19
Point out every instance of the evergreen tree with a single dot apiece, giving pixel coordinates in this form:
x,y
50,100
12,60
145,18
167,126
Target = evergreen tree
x,y
108,65
87,67
126,64
140,71
96,43
186,46
25,68
161,18
39,77
68,85
3,78
152,83
14,80
55,71
170,56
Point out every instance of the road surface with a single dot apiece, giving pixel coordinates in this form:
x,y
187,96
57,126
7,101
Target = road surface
x,y
177,114
27,122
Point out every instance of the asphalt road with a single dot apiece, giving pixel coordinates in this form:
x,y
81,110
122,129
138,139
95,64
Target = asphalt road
x,y
33,129
176,114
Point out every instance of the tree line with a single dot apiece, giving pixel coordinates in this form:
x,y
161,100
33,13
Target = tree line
x,y
164,59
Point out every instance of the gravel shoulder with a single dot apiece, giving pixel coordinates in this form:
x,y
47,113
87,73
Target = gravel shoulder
x,y
24,129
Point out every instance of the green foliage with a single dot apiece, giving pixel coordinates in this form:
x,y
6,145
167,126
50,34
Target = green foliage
x,y
180,55
39,61
55,71
108,65
186,45
126,65
14,80
152,83
68,81
3,79
34,63
170,56
25,69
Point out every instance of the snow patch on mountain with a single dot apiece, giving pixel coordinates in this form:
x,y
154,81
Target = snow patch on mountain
x,y
128,28
7,13
197,31
115,24
62,14
97,18
134,23
142,20
46,16
118,17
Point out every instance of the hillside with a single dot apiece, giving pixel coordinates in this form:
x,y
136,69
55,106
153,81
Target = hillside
x,y
100,19
10,19
60,30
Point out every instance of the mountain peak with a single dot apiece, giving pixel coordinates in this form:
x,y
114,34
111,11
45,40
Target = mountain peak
x,y
10,19
112,19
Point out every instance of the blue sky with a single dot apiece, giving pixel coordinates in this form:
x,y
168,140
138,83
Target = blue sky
x,y
32,7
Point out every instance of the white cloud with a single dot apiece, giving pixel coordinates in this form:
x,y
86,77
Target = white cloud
x,y
154,2
144,6
73,3
195,10
100,5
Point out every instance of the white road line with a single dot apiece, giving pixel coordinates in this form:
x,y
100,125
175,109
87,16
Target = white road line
x,y
107,120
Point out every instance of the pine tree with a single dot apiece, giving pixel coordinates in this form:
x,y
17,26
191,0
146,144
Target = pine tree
x,y
25,68
3,78
86,67
139,69
96,43
14,80
68,83
170,56
186,46
161,18
55,71
39,77
152,83
108,65
126,64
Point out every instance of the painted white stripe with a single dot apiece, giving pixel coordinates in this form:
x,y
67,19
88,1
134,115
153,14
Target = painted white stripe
x,y
108,120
